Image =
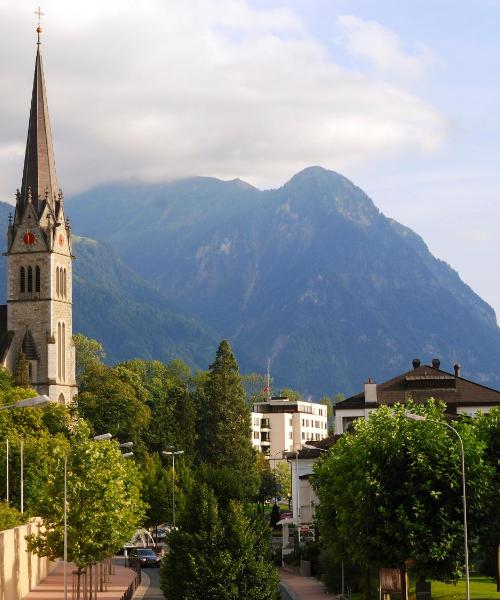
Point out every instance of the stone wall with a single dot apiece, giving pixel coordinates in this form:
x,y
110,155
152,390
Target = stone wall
x,y
20,571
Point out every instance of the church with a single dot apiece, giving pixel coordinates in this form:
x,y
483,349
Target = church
x,y
36,323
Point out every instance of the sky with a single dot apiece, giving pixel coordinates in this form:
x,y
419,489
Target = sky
x,y
400,96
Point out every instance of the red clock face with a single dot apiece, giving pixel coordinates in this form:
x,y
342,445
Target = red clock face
x,y
29,238
60,240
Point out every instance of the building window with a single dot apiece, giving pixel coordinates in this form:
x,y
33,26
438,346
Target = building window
x,y
37,278
290,422
22,280
303,422
30,279
57,281
256,435
320,412
290,435
65,290
61,351
303,435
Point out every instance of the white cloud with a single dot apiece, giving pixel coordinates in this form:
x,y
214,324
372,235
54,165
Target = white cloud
x,y
381,48
156,90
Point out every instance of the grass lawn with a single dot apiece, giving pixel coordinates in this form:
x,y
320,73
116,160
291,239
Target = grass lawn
x,y
481,588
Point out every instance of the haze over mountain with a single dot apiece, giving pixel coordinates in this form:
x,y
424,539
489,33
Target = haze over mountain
x,y
311,275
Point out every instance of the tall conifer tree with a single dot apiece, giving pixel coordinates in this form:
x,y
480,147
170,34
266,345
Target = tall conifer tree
x,y
224,427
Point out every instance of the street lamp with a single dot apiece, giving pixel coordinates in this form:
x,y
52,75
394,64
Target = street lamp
x,y
415,417
173,453
37,401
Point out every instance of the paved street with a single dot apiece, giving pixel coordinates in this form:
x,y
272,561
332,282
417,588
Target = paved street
x,y
153,592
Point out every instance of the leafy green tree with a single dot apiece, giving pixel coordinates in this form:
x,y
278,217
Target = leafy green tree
x,y
293,395
267,480
390,492
10,517
283,477
89,353
487,427
223,429
113,400
21,375
218,555
104,505
156,491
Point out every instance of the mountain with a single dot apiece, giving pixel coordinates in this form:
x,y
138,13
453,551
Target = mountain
x,y
128,315
312,275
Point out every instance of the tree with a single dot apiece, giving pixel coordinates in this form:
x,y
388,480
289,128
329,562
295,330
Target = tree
x,y
487,427
223,429
21,375
267,480
113,400
218,555
104,505
390,492
156,491
89,353
283,477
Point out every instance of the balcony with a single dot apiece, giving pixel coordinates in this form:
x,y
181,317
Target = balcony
x,y
265,425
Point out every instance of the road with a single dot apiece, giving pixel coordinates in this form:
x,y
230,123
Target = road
x,y
154,592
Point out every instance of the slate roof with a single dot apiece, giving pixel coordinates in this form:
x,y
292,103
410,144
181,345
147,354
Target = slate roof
x,y
424,382
28,347
39,173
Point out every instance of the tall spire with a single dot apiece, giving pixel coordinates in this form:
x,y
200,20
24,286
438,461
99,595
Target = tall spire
x,y
39,174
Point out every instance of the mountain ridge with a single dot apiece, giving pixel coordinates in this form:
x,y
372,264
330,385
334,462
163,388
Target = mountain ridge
x,y
311,274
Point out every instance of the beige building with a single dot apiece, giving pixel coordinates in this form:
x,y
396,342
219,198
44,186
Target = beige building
x,y
282,424
37,322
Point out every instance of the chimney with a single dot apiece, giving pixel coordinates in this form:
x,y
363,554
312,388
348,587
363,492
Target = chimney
x,y
416,363
435,363
456,368
370,391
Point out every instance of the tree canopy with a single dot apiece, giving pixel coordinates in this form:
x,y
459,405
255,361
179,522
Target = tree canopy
x,y
390,492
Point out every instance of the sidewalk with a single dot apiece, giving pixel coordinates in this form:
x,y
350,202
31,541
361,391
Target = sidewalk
x,y
52,587
303,588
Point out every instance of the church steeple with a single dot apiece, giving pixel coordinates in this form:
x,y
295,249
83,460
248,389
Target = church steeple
x,y
39,174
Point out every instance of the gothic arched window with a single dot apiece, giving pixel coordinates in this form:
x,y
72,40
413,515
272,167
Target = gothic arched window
x,y
37,278
59,351
65,288
22,280
30,279
63,353
57,281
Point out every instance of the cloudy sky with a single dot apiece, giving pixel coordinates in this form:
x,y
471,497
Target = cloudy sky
x,y
400,96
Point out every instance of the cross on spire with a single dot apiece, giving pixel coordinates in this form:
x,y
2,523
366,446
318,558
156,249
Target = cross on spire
x,y
39,14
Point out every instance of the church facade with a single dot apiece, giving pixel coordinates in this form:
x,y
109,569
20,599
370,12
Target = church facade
x,y
37,320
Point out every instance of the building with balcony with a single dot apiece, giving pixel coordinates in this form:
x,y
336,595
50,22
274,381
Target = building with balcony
x,y
282,424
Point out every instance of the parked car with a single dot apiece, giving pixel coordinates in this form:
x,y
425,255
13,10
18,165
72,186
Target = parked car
x,y
143,557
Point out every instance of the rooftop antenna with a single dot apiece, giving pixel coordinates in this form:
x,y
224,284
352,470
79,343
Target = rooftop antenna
x,y
268,386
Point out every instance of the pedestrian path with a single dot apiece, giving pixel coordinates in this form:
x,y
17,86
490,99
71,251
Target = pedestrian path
x,y
303,588
52,587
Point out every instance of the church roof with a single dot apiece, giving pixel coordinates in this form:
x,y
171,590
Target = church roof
x,y
28,347
39,174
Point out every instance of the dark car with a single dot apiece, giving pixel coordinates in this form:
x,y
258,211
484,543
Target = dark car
x,y
143,557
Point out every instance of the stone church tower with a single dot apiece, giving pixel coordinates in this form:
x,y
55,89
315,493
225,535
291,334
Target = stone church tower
x,y
37,326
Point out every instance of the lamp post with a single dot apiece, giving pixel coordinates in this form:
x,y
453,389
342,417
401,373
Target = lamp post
x,y
415,417
173,454
97,438
37,401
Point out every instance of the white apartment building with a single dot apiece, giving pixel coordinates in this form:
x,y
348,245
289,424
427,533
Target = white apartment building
x,y
282,424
